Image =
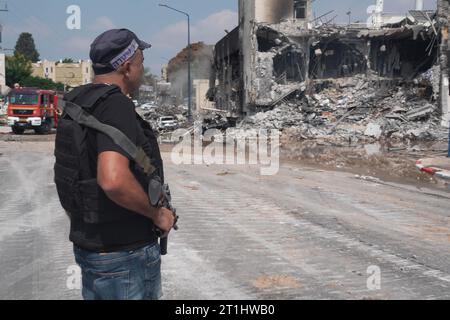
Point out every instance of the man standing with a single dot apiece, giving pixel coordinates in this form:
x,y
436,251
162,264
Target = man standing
x,y
102,188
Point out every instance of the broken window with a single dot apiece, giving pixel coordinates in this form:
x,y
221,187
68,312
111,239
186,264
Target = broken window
x,y
300,7
405,58
335,59
289,65
267,39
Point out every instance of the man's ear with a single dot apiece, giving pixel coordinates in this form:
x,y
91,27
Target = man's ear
x,y
125,68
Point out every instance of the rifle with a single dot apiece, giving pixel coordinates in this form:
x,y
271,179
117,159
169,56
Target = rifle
x,y
160,197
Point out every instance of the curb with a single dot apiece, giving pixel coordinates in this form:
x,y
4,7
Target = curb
x,y
434,171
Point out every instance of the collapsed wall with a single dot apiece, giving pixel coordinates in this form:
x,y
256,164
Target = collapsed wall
x,y
335,56
281,65
285,57
226,80
403,52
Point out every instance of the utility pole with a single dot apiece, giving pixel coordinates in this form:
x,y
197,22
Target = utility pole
x,y
189,58
3,60
1,25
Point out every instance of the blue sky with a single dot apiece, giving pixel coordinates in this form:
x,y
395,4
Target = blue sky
x,y
165,29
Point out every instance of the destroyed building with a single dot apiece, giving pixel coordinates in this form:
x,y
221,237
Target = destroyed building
x,y
269,48
279,50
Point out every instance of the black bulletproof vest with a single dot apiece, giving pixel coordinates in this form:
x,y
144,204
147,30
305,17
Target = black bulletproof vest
x,y
75,177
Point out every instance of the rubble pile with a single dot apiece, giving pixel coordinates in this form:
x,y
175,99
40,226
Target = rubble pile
x,y
358,109
178,112
214,120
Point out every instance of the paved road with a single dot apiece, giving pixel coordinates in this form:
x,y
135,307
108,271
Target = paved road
x,y
301,234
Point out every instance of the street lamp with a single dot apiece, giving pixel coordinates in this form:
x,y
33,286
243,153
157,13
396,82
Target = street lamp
x,y
189,58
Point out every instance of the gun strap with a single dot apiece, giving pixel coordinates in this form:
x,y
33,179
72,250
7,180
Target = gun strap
x,y
84,118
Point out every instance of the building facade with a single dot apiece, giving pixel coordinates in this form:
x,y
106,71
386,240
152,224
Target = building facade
x,y
201,87
70,74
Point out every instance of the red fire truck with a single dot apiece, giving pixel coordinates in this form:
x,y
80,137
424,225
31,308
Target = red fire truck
x,y
31,108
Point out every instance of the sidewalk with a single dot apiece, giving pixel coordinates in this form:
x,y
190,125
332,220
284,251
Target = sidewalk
x,y
438,167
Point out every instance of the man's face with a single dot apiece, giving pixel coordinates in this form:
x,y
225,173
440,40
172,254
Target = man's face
x,y
136,71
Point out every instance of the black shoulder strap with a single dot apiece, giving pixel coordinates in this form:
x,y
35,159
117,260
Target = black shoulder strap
x,y
84,118
92,94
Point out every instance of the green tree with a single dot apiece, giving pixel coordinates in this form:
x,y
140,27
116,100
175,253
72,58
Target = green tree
x,y
41,83
68,60
25,46
17,68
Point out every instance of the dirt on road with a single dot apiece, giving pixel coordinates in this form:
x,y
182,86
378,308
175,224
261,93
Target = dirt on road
x,y
395,163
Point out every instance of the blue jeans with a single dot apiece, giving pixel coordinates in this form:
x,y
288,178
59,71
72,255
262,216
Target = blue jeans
x,y
133,275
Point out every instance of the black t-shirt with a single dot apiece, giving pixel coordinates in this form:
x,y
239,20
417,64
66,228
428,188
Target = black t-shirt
x,y
133,230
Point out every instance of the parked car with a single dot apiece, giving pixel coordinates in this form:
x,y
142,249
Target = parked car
x,y
167,123
148,106
3,108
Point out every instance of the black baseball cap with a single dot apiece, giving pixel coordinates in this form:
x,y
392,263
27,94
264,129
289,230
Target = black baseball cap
x,y
113,48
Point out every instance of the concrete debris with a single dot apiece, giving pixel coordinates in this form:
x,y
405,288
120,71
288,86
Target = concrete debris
x,y
178,112
284,116
420,112
340,109
215,121
373,130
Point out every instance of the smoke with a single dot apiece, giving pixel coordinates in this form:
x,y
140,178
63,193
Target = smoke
x,y
201,65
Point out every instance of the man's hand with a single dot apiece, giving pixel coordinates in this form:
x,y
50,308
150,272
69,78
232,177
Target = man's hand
x,y
164,220
116,179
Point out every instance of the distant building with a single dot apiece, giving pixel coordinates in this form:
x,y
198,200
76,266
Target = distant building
x,y
70,74
164,75
177,69
2,74
146,93
201,87
163,93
